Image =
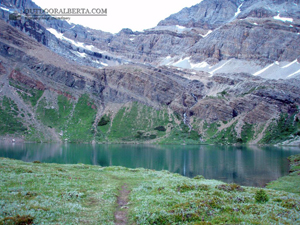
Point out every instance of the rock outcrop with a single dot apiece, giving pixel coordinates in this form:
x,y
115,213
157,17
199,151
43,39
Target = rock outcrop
x,y
207,14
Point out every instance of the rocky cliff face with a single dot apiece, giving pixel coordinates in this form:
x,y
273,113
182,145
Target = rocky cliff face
x,y
262,40
207,14
69,83
263,32
257,33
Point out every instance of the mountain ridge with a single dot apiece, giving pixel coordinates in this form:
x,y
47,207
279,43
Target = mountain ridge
x,y
257,36
58,86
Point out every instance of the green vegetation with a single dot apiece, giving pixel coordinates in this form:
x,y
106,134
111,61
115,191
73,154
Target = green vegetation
x,y
230,187
222,95
10,123
56,194
294,163
261,196
42,193
75,122
80,129
18,220
247,133
104,120
102,128
160,128
225,136
283,129
252,90
32,134
28,94
181,134
290,183
52,117
137,122
211,129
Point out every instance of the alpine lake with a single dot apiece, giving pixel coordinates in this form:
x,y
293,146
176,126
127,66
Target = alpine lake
x,y
244,165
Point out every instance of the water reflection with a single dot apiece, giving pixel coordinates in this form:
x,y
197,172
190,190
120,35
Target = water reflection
x,y
253,166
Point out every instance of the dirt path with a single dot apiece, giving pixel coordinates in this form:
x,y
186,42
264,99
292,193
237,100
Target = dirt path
x,y
122,200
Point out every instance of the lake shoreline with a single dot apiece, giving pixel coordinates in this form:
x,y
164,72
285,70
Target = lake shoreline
x,y
244,165
13,139
291,182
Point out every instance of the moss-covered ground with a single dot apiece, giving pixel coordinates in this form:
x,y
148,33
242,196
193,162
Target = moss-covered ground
x,y
137,122
73,120
42,193
28,94
10,121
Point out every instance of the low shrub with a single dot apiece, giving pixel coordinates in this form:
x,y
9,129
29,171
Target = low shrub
x,y
199,177
160,128
230,187
104,120
261,196
18,220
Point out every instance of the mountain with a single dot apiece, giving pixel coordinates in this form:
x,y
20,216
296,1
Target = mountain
x,y
188,80
205,15
256,37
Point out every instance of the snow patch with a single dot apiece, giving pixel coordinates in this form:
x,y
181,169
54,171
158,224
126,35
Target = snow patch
x,y
131,39
77,44
199,65
293,74
173,28
183,63
212,72
95,61
103,64
263,70
283,19
180,28
288,65
89,47
81,54
55,33
5,9
167,61
238,11
208,32
276,70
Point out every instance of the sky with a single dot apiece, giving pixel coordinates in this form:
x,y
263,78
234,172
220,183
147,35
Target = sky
x,y
134,14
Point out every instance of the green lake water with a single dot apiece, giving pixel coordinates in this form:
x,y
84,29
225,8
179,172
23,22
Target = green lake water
x,y
244,165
